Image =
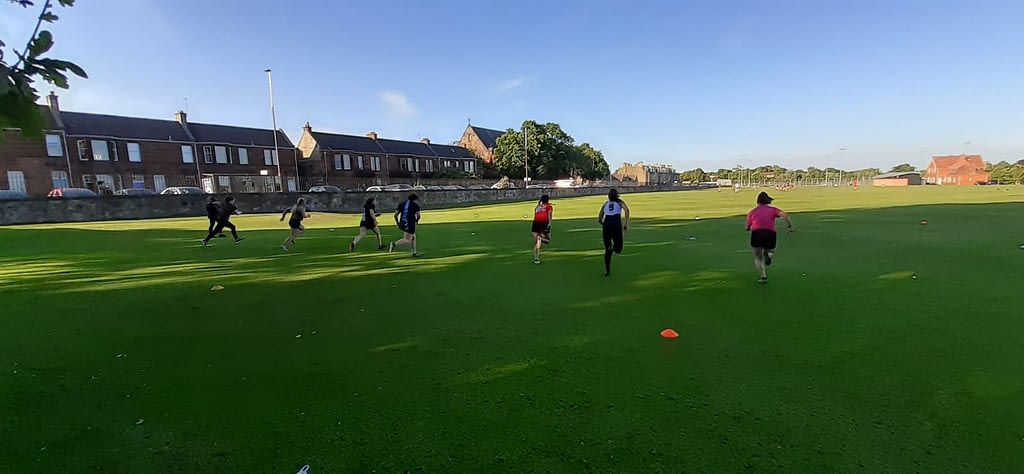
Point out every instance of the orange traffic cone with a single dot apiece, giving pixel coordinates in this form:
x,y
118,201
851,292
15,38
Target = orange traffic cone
x,y
669,334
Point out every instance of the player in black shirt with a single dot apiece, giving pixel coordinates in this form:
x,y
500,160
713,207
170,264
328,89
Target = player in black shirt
x,y
224,220
368,223
212,212
298,212
407,215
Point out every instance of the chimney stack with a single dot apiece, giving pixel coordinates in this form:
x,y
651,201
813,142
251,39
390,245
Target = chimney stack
x,y
307,128
425,141
181,117
372,136
54,104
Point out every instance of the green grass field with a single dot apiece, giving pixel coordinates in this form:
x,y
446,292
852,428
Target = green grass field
x,y
117,357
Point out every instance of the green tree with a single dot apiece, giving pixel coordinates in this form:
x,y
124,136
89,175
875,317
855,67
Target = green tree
x,y
902,168
18,93
593,160
551,154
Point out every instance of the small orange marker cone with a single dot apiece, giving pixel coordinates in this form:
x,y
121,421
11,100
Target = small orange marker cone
x,y
669,334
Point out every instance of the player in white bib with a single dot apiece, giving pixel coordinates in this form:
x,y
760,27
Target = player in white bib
x,y
614,219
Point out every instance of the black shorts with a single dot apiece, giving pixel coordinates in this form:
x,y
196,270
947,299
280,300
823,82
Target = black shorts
x,y
295,224
367,226
408,227
763,238
541,227
612,235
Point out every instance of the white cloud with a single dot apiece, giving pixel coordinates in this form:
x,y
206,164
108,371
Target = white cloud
x,y
511,84
398,104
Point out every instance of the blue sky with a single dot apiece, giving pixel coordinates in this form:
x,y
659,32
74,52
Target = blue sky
x,y
711,83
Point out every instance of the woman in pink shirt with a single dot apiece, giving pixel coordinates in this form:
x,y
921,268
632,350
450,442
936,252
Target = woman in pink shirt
x,y
761,225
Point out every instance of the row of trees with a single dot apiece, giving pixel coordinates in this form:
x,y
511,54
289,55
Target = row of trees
x,y
776,173
550,153
1006,173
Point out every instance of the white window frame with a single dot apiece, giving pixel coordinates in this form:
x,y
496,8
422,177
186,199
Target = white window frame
x,y
243,156
269,157
224,182
374,163
22,183
159,184
346,162
138,178
108,181
83,150
359,161
430,166
54,148
337,162
187,155
221,155
59,176
417,163
115,155
97,147
207,154
134,153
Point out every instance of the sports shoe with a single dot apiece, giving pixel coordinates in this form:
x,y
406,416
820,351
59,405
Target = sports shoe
x,y
239,240
381,247
416,254
391,247
536,261
351,247
284,248
768,258
205,243
763,280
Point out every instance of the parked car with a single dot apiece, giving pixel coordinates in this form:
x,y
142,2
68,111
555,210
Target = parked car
x,y
325,189
398,187
183,190
479,186
434,188
6,195
374,188
70,193
135,192
452,188
419,187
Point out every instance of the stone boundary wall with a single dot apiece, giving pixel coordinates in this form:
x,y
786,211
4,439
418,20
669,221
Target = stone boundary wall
x,y
37,211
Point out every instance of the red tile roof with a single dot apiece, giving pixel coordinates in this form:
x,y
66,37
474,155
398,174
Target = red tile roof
x,y
955,164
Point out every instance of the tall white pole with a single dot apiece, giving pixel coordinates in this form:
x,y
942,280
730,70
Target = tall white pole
x,y
526,154
273,117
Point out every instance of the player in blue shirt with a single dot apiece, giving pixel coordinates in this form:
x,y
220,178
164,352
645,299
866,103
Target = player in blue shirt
x,y
407,215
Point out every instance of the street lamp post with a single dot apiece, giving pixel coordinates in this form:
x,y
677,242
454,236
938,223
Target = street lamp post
x,y
273,117
526,153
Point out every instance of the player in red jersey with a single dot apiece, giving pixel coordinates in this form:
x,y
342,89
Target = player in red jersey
x,y
542,215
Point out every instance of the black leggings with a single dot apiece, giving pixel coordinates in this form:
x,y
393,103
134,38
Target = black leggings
x,y
213,224
612,235
220,228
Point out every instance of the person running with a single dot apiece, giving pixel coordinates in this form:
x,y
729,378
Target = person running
x,y
542,215
212,212
298,212
761,225
224,220
614,219
407,215
368,223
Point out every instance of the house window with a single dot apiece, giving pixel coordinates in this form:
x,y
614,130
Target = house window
x,y
346,162
186,154
417,163
138,181
105,182
224,182
207,154
88,182
53,147
16,181
430,166
159,182
447,163
403,164
375,163
359,160
243,156
100,152
337,162
113,146
222,154
409,165
134,153
60,179
83,150
269,157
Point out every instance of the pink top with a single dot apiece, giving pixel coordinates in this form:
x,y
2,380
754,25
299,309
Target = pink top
x,y
763,217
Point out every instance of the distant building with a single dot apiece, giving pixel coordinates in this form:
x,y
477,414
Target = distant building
x,y
908,178
957,170
641,174
481,141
